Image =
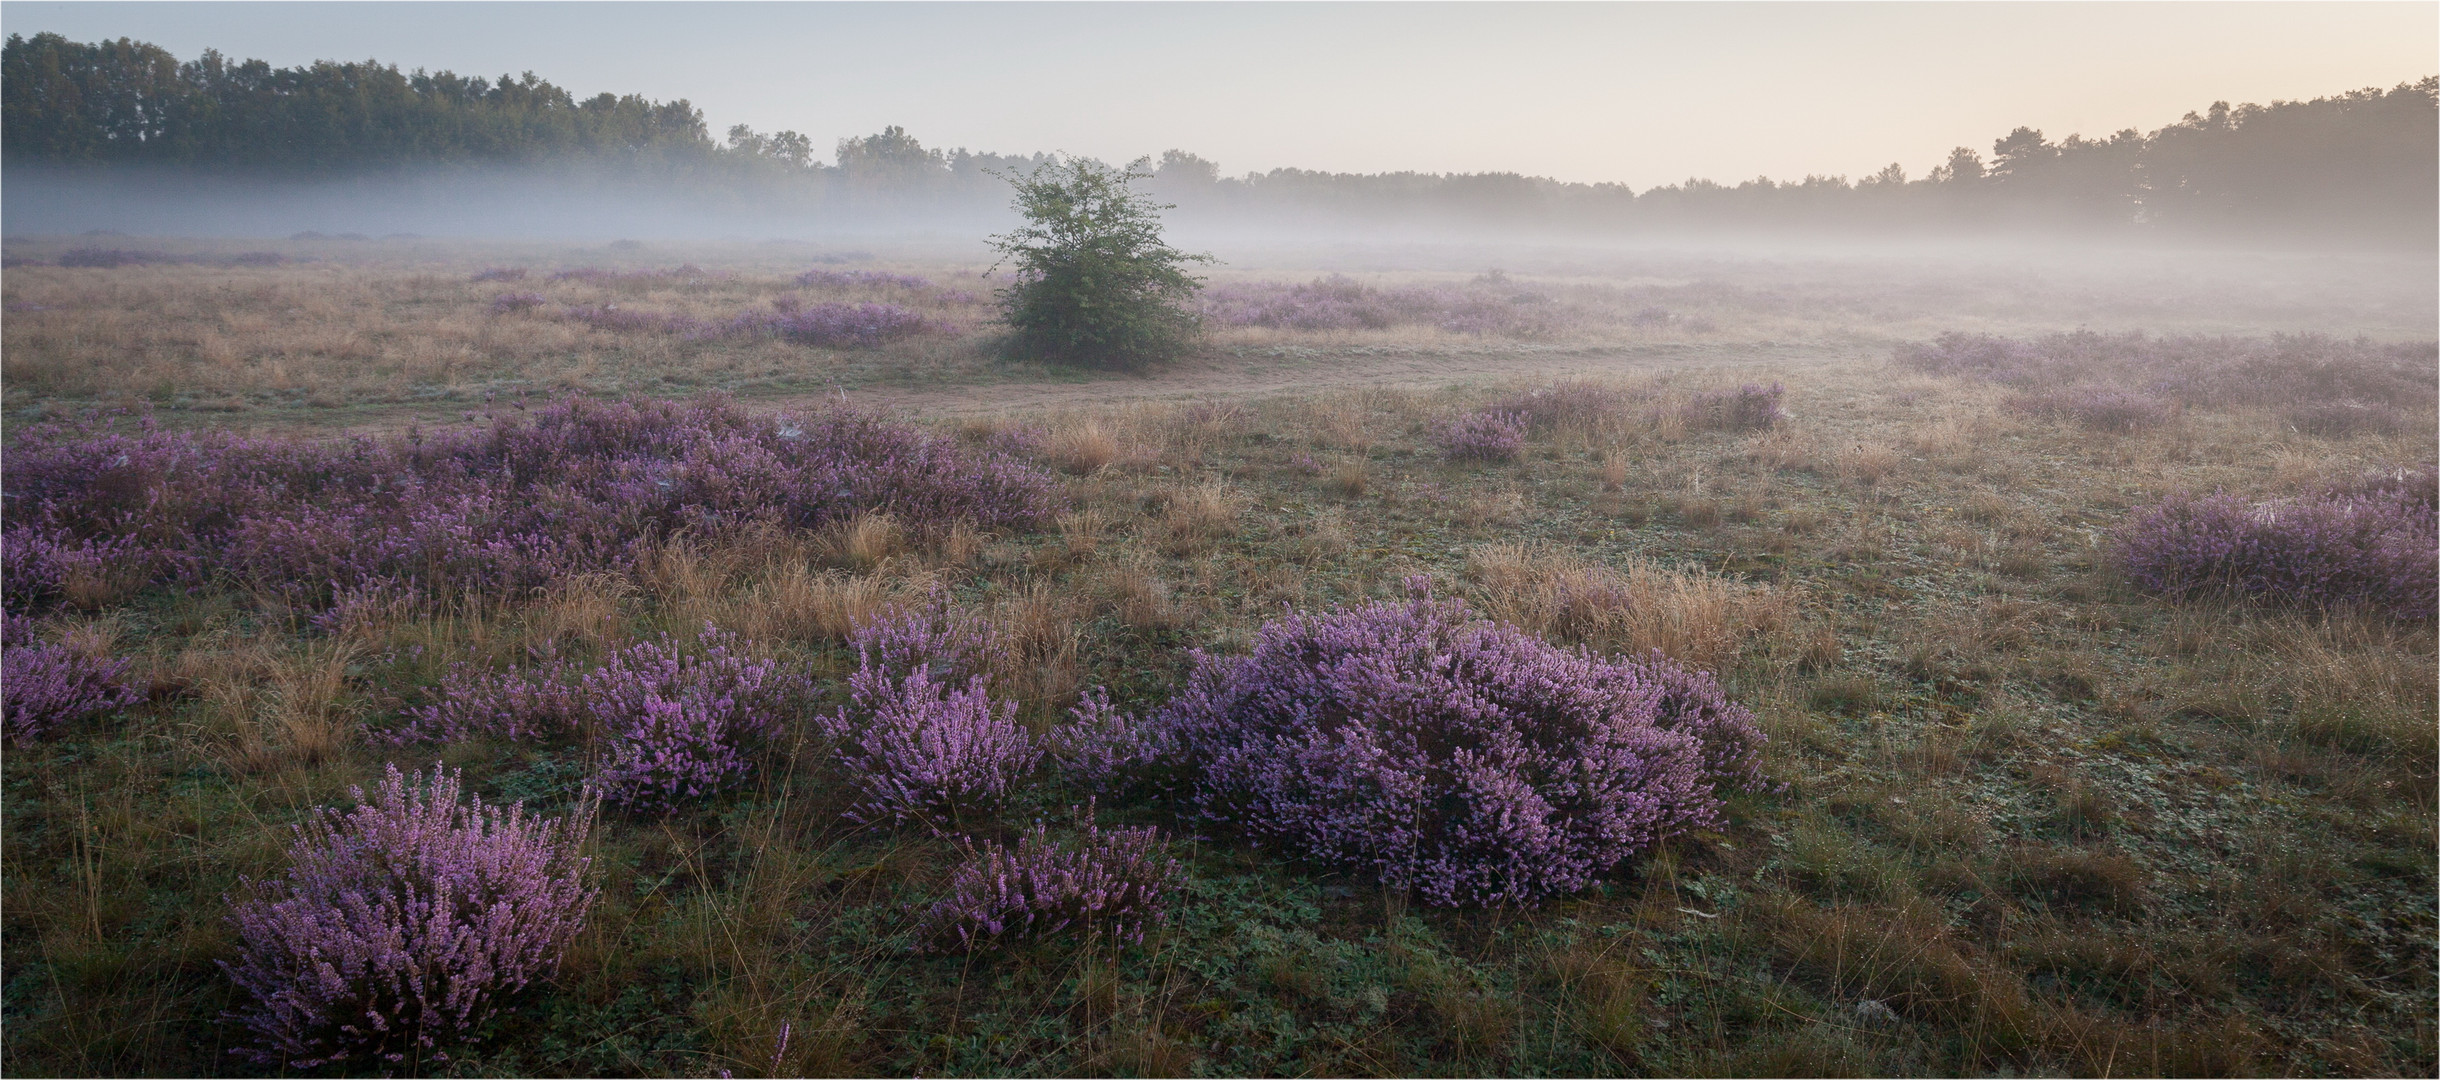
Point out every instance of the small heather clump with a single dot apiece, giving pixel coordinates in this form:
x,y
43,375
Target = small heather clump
x,y
46,687
1114,882
1484,436
831,325
1751,407
862,278
918,746
2374,548
401,925
1484,307
507,303
1455,755
1102,745
680,724
2100,408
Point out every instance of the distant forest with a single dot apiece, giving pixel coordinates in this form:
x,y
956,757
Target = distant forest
x,y
2356,167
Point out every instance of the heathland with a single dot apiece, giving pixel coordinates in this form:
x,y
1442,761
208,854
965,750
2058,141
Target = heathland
x,y
2071,623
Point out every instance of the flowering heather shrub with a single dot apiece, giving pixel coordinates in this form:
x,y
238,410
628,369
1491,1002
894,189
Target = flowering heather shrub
x,y
46,687
1484,436
841,326
1751,407
506,303
1115,882
1340,303
1455,755
402,924
500,273
497,508
681,724
2280,371
919,747
923,750
2100,408
1572,403
865,278
40,566
1101,745
2378,550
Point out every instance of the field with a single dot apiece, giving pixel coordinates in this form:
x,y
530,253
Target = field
x,y
2026,810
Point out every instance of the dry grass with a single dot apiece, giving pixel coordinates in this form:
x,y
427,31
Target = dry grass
x,y
1695,617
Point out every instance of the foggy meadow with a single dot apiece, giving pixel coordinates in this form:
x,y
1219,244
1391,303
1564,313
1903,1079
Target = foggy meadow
x,y
1969,623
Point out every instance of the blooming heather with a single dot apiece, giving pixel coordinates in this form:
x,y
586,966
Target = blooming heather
x,y
1114,882
2376,548
46,687
923,750
2280,371
1456,755
1484,436
1751,407
401,925
494,508
1102,745
680,724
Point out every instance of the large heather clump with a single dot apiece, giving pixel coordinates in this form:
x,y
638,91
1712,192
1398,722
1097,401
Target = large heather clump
x,y
679,723
498,507
920,745
1453,754
401,925
2373,546
1483,436
1114,882
46,687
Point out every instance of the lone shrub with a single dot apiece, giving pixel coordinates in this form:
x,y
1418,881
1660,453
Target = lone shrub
x,y
1456,755
401,924
1096,286
1484,436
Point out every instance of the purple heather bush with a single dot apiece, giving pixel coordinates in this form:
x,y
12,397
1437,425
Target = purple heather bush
x,y
679,724
401,925
1114,882
2282,371
1454,755
1484,307
2376,549
862,278
1576,403
2100,408
919,746
1102,746
1483,436
832,325
510,302
46,687
1751,407
923,750
496,508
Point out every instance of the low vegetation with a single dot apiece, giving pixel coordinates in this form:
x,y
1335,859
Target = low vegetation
x,y
1855,717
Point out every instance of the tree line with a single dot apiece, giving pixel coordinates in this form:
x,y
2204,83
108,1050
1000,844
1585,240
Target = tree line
x,y
2358,165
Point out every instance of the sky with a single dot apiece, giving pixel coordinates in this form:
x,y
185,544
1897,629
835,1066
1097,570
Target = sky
x,y
1634,93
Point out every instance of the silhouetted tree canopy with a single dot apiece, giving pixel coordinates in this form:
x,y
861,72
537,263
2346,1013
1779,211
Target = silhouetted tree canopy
x,y
2358,166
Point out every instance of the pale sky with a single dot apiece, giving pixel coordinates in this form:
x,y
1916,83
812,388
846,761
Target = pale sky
x,y
1640,93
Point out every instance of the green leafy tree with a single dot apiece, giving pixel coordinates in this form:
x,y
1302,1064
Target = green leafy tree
x,y
1095,285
